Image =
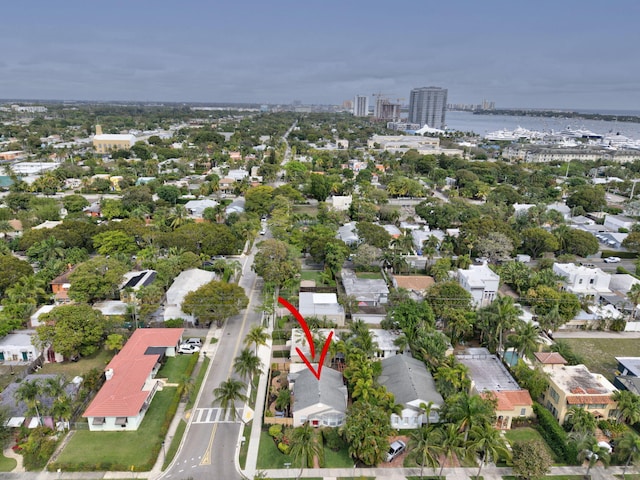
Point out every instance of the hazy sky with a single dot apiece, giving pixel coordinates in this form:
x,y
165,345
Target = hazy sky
x,y
559,53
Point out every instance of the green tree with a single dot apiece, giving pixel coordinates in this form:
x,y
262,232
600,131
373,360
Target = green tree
x,y
531,459
257,336
13,269
319,186
590,198
114,242
259,199
447,295
576,242
535,380
581,421
424,447
96,279
525,340
74,203
72,330
215,302
227,394
115,341
592,452
632,242
468,411
373,234
488,441
247,364
628,406
451,445
367,430
628,448
168,193
537,240
276,262
305,446
29,392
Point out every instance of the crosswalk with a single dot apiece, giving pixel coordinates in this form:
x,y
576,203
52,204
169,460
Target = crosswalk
x,y
215,415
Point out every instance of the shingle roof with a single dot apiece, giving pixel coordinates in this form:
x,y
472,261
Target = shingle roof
x,y
122,395
329,390
409,380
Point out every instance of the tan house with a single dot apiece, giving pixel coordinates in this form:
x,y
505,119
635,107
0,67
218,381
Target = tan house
x,y
511,404
60,286
575,386
105,143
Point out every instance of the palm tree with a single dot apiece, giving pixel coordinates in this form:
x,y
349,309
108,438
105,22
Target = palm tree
x,y
28,392
424,446
526,340
257,336
628,406
305,446
228,393
179,217
582,422
504,315
451,444
247,364
634,296
468,411
452,376
283,401
487,440
592,452
426,408
629,445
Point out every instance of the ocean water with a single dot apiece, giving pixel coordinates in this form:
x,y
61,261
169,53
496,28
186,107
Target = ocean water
x,y
483,124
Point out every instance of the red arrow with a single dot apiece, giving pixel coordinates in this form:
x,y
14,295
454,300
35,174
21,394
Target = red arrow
x,y
303,323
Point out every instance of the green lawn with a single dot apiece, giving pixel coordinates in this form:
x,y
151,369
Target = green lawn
x,y
339,459
7,464
369,275
124,449
79,368
242,456
599,353
528,434
174,368
198,383
268,454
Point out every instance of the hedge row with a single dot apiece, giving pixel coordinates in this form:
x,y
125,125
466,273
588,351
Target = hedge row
x,y
554,435
616,253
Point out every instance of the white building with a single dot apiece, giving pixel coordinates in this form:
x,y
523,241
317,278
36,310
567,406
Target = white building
x,y
17,347
583,281
321,306
196,207
481,282
616,222
187,281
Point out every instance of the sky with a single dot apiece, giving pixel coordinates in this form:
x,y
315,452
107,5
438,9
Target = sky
x,y
565,54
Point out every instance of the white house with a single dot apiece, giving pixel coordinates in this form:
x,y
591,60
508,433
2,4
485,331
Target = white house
x,y
17,347
323,402
413,387
196,207
616,222
340,202
130,385
481,282
385,340
321,305
187,281
583,281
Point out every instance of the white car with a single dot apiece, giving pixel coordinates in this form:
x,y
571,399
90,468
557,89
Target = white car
x,y
193,341
187,348
612,260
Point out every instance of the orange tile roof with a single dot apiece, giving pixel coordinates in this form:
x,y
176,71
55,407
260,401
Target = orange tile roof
x,y
589,399
507,400
550,358
122,395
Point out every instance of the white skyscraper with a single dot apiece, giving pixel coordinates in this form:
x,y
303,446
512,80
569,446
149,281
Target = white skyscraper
x,y
428,105
361,106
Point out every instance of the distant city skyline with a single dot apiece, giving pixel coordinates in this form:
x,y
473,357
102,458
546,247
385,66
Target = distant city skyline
x,y
559,55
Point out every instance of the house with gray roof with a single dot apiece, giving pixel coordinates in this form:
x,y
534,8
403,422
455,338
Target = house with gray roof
x,y
412,386
323,402
368,292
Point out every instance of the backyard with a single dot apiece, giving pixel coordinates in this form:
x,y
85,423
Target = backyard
x,y
599,353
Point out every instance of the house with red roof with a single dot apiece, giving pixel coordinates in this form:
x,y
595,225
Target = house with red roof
x,y
130,384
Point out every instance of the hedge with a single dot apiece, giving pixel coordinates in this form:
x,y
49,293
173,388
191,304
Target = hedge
x,y
554,435
615,253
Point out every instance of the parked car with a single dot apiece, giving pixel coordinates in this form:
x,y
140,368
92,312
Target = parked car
x,y
187,348
612,259
395,449
193,341
263,231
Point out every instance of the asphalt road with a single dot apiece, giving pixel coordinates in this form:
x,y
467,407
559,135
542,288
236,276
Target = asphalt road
x,y
209,446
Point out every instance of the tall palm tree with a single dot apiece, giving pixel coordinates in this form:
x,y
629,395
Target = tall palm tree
x,y
28,392
582,422
504,315
452,377
424,446
487,440
227,394
629,446
305,446
468,411
257,336
634,296
451,444
592,452
526,340
247,364
628,406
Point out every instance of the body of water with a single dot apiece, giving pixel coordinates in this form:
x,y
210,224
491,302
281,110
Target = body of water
x,y
483,124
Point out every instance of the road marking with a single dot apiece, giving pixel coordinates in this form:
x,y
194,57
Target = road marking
x,y
215,415
206,458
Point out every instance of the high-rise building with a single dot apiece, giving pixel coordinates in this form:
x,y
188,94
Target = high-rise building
x,y
428,105
361,106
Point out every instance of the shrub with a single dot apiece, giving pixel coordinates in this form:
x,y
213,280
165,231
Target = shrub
x,y
275,430
174,323
617,325
284,448
332,439
554,435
